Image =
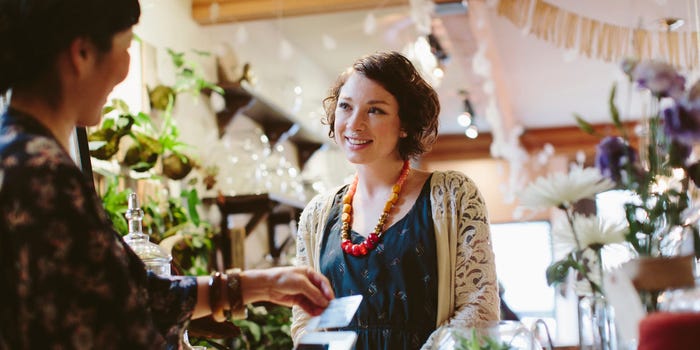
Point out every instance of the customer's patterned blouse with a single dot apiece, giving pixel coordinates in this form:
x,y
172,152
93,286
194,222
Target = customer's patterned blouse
x,y
67,279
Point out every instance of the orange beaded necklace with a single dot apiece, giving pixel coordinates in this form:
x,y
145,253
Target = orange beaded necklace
x,y
373,238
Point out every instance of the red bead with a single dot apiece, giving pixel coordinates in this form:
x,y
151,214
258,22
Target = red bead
x,y
373,238
362,249
346,246
368,244
355,251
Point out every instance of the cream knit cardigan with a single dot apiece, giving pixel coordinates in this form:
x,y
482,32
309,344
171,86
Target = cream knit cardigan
x,y
467,287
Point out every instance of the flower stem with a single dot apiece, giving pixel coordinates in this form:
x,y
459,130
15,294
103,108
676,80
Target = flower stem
x,y
579,248
570,219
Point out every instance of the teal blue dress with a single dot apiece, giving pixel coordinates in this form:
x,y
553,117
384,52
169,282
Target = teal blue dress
x,y
398,278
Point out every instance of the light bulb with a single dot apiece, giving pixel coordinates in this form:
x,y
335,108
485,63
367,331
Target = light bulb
x,y
464,119
472,132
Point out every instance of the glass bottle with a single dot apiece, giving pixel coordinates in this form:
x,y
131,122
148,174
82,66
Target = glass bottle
x,y
156,258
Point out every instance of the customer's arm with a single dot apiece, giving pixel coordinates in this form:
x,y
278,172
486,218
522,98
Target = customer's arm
x,y
288,286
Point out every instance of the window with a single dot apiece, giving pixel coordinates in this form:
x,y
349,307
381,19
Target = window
x,y
523,253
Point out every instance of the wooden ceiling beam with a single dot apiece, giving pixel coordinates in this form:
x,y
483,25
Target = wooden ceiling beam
x,y
248,10
566,140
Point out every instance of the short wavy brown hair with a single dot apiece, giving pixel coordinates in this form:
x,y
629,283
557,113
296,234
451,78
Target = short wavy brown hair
x,y
419,106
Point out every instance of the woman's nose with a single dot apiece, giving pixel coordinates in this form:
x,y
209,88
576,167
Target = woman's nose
x,y
356,120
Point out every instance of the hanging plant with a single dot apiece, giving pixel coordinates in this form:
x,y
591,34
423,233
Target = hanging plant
x,y
104,142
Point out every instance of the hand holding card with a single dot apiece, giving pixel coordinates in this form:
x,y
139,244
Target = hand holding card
x,y
338,314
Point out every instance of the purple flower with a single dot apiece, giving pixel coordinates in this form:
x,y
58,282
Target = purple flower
x,y
682,122
660,78
615,158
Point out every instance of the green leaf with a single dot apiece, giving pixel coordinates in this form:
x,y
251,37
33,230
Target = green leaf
x,y
143,119
107,109
614,112
107,123
255,330
193,201
202,53
121,105
218,89
558,271
584,125
177,57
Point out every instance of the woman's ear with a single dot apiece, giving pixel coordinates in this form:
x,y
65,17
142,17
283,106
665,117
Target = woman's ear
x,y
81,55
403,134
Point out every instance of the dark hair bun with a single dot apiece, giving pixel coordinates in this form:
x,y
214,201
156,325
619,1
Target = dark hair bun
x,y
33,32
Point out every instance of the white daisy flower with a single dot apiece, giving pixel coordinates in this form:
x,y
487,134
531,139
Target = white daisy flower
x,y
560,189
592,232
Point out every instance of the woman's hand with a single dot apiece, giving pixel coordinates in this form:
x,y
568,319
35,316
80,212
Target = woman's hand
x,y
287,286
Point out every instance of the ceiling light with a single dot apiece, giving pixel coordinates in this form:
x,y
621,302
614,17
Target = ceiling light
x,y
472,132
464,119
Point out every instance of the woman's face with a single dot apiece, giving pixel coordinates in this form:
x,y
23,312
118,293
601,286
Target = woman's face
x,y
110,68
367,124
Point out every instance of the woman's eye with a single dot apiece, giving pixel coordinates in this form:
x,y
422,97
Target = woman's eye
x,y
343,105
375,110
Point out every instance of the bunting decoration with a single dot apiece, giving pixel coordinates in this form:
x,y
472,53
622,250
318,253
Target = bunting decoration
x,y
600,40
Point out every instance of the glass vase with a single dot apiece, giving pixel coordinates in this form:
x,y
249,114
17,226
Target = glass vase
x,y
596,324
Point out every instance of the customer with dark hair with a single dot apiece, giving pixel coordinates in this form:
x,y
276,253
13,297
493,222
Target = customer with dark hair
x,y
415,244
67,279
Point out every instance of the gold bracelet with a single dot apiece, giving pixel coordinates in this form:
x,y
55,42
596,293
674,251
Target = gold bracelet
x,y
216,297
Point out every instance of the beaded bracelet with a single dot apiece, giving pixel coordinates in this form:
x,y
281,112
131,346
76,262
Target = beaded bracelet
x,y
217,288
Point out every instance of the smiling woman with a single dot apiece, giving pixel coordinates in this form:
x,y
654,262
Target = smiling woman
x,y
400,236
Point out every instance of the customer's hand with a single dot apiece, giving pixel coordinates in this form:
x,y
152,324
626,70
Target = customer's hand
x,y
287,286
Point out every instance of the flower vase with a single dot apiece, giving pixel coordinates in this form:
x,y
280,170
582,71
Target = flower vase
x,y
596,324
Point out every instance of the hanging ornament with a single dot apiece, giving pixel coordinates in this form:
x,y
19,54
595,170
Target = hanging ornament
x,y
370,24
214,11
328,42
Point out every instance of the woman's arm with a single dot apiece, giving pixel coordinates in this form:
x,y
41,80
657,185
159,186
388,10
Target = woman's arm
x,y
476,300
476,286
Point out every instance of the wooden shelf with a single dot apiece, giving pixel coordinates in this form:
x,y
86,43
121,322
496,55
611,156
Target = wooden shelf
x,y
276,125
275,210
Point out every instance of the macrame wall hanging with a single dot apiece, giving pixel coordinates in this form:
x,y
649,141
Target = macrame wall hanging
x,y
600,40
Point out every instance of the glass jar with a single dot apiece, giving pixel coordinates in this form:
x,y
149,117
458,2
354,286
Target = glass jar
x,y
156,258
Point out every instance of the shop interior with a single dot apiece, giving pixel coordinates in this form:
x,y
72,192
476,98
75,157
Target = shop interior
x,y
242,147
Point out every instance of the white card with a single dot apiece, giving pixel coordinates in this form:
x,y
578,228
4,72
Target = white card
x,y
624,298
328,340
339,313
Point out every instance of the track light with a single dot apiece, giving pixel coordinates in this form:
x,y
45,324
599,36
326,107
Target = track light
x,y
472,131
466,119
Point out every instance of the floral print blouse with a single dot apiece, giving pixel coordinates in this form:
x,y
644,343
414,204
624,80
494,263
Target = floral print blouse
x,y
67,279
